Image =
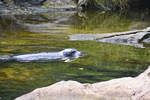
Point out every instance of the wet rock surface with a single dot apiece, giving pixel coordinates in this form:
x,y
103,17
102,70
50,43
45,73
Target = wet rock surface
x,y
137,38
128,88
132,39
145,38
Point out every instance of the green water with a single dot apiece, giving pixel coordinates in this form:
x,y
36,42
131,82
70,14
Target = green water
x,y
48,32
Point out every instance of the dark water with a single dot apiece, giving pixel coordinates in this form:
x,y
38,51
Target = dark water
x,y
46,32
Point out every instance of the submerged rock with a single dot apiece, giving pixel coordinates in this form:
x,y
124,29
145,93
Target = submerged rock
x,y
128,88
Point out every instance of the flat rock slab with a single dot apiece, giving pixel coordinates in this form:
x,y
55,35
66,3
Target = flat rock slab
x,y
137,38
131,39
99,36
128,88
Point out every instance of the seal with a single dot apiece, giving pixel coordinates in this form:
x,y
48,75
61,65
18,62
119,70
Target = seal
x,y
67,55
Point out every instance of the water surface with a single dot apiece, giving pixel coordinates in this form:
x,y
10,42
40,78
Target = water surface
x,y
48,32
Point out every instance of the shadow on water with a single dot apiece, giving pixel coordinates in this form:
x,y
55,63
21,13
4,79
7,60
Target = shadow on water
x,y
48,32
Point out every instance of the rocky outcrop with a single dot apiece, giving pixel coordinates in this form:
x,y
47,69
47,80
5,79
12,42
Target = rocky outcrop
x,y
128,88
145,38
40,2
48,3
19,7
137,38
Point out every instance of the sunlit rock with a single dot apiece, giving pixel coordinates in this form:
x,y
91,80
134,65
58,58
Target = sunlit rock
x,y
128,88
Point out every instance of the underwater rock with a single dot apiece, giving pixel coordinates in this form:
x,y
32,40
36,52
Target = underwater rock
x,y
128,88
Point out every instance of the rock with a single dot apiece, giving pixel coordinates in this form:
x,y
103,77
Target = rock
x,y
1,2
129,39
100,36
33,2
128,88
63,4
24,7
145,38
136,38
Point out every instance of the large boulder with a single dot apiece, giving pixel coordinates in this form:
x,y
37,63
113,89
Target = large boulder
x,y
128,88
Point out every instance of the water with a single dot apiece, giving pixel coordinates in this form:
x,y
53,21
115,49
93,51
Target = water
x,y
48,32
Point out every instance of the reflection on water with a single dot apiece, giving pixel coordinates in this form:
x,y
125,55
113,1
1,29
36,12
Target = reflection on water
x,y
95,22
48,32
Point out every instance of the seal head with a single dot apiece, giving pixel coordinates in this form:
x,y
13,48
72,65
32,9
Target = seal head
x,y
71,54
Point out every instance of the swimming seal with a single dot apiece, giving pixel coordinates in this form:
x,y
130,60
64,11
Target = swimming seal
x,y
67,55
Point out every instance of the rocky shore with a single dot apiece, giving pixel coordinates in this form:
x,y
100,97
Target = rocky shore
x,y
16,7
127,88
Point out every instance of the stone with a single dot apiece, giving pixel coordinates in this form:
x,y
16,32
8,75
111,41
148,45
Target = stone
x,y
27,2
128,88
136,38
129,39
145,38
